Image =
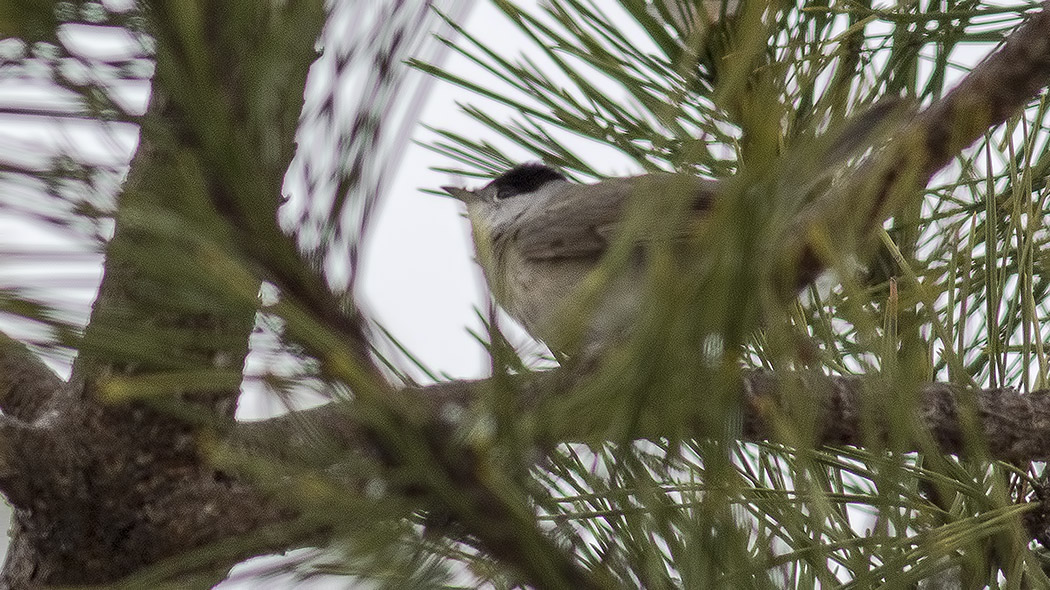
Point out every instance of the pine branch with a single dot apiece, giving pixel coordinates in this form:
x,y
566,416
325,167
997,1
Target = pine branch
x,y
1014,426
997,88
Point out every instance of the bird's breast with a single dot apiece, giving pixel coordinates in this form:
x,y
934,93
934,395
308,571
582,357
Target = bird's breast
x,y
547,297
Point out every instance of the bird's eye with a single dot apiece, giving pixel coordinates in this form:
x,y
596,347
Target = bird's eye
x,y
523,179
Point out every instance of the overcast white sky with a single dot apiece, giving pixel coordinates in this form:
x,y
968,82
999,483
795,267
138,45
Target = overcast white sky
x,y
420,280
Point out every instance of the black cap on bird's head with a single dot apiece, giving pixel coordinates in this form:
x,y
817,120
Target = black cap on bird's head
x,y
524,178
521,179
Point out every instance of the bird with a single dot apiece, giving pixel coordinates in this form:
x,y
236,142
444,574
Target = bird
x,y
539,236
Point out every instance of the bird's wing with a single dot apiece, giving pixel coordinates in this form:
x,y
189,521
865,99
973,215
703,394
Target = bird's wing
x,y
585,225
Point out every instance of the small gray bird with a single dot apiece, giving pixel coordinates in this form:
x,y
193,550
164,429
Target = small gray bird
x,y
538,236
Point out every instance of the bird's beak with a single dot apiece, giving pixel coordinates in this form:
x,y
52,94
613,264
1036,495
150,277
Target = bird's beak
x,y
461,193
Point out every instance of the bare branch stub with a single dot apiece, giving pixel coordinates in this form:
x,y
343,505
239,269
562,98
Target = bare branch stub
x,y
27,385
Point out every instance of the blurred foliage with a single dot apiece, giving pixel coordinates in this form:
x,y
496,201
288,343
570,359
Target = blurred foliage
x,y
70,118
757,93
952,291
